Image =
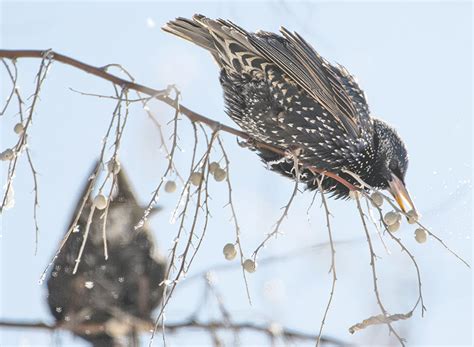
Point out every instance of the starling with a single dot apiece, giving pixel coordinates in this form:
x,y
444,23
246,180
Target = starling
x,y
107,294
281,92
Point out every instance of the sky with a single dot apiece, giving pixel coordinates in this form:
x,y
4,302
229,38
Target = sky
x,y
414,62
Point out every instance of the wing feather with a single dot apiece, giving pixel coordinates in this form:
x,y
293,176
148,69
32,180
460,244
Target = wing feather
x,y
238,50
298,59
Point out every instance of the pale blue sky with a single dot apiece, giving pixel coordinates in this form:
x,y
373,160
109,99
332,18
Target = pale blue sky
x,y
414,61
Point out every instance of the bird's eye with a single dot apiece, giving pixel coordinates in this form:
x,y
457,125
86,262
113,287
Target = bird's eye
x,y
395,169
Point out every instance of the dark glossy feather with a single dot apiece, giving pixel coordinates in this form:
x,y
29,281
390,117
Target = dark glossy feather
x,y
126,284
280,91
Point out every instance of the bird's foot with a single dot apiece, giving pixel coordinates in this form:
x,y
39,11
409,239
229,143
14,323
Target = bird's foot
x,y
249,143
292,154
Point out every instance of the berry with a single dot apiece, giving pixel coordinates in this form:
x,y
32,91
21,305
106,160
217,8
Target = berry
x,y
377,199
229,251
7,154
100,202
195,178
113,166
394,227
18,128
220,174
213,166
250,266
391,218
421,235
170,187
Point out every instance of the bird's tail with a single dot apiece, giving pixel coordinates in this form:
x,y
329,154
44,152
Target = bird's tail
x,y
227,42
193,31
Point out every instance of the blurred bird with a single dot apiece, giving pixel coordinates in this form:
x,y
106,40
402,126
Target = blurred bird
x,y
280,91
111,295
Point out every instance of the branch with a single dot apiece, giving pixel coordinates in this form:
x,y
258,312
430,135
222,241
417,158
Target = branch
x,y
175,327
161,95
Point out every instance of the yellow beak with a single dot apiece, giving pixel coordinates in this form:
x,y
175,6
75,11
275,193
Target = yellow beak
x,y
400,193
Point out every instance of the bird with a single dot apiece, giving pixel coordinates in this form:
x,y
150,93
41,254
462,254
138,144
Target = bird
x,y
283,93
107,295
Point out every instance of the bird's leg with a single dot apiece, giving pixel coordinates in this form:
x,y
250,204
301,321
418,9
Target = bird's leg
x,y
249,143
293,154
290,154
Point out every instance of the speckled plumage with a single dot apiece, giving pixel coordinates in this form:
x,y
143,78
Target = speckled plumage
x,y
280,91
106,291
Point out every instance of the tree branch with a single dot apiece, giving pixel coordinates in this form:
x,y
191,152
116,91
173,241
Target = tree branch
x,y
185,325
161,95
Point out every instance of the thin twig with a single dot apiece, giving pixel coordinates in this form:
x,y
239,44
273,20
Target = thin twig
x,y
333,258
169,168
13,77
22,143
374,273
234,219
286,208
418,273
86,198
34,174
203,163
395,207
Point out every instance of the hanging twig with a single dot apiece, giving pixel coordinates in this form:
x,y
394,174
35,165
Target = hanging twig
x,y
333,257
374,275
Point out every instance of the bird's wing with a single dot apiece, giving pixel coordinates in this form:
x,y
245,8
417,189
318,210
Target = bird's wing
x,y
296,58
239,51
303,65
356,95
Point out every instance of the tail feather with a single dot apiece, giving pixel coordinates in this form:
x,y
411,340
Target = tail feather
x,y
227,42
192,31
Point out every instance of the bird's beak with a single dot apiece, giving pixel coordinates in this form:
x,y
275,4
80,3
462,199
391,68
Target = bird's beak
x,y
400,193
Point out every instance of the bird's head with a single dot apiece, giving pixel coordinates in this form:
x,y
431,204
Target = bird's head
x,y
391,164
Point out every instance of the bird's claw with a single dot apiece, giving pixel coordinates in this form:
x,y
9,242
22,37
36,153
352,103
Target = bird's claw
x,y
249,143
